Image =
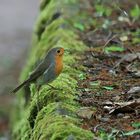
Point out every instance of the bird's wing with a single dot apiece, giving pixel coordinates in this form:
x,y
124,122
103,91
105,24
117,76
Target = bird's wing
x,y
48,69
49,74
40,69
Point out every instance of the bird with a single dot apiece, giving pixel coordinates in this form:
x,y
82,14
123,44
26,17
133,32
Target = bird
x,y
47,71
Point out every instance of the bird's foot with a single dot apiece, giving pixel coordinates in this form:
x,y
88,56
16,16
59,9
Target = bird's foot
x,y
54,87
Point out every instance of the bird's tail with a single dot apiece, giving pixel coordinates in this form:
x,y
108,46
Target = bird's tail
x,y
20,86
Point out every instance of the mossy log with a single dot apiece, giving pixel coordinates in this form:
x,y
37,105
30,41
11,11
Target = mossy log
x,y
57,118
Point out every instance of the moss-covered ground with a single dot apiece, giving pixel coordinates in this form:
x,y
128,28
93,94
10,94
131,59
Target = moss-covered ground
x,y
97,97
57,117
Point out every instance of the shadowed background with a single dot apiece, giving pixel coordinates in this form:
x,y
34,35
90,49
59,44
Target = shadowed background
x,y
17,18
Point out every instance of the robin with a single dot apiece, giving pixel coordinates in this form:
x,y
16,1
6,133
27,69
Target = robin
x,y
47,71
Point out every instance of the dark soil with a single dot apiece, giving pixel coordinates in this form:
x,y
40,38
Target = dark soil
x,y
110,86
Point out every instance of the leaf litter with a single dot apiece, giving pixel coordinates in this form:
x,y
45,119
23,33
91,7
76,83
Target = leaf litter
x,y
110,89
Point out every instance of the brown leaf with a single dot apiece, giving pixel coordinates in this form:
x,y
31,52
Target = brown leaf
x,y
122,107
85,112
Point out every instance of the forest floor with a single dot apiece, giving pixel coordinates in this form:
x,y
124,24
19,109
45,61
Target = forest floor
x,y
110,85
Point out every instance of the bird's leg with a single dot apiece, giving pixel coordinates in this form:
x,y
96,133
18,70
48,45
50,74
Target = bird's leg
x,y
51,86
54,87
37,103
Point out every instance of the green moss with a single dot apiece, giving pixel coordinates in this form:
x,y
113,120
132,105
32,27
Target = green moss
x,y
43,3
22,130
61,129
45,19
51,125
56,117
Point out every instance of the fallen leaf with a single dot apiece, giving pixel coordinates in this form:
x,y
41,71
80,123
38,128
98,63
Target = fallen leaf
x,y
130,133
79,26
123,38
108,87
134,90
114,48
121,107
85,112
136,124
128,58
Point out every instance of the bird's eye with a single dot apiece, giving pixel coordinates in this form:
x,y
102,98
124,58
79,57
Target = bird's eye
x,y
58,51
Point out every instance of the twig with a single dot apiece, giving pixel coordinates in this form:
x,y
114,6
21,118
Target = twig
x,y
109,40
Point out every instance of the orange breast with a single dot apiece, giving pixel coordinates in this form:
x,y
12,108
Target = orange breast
x,y
59,64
